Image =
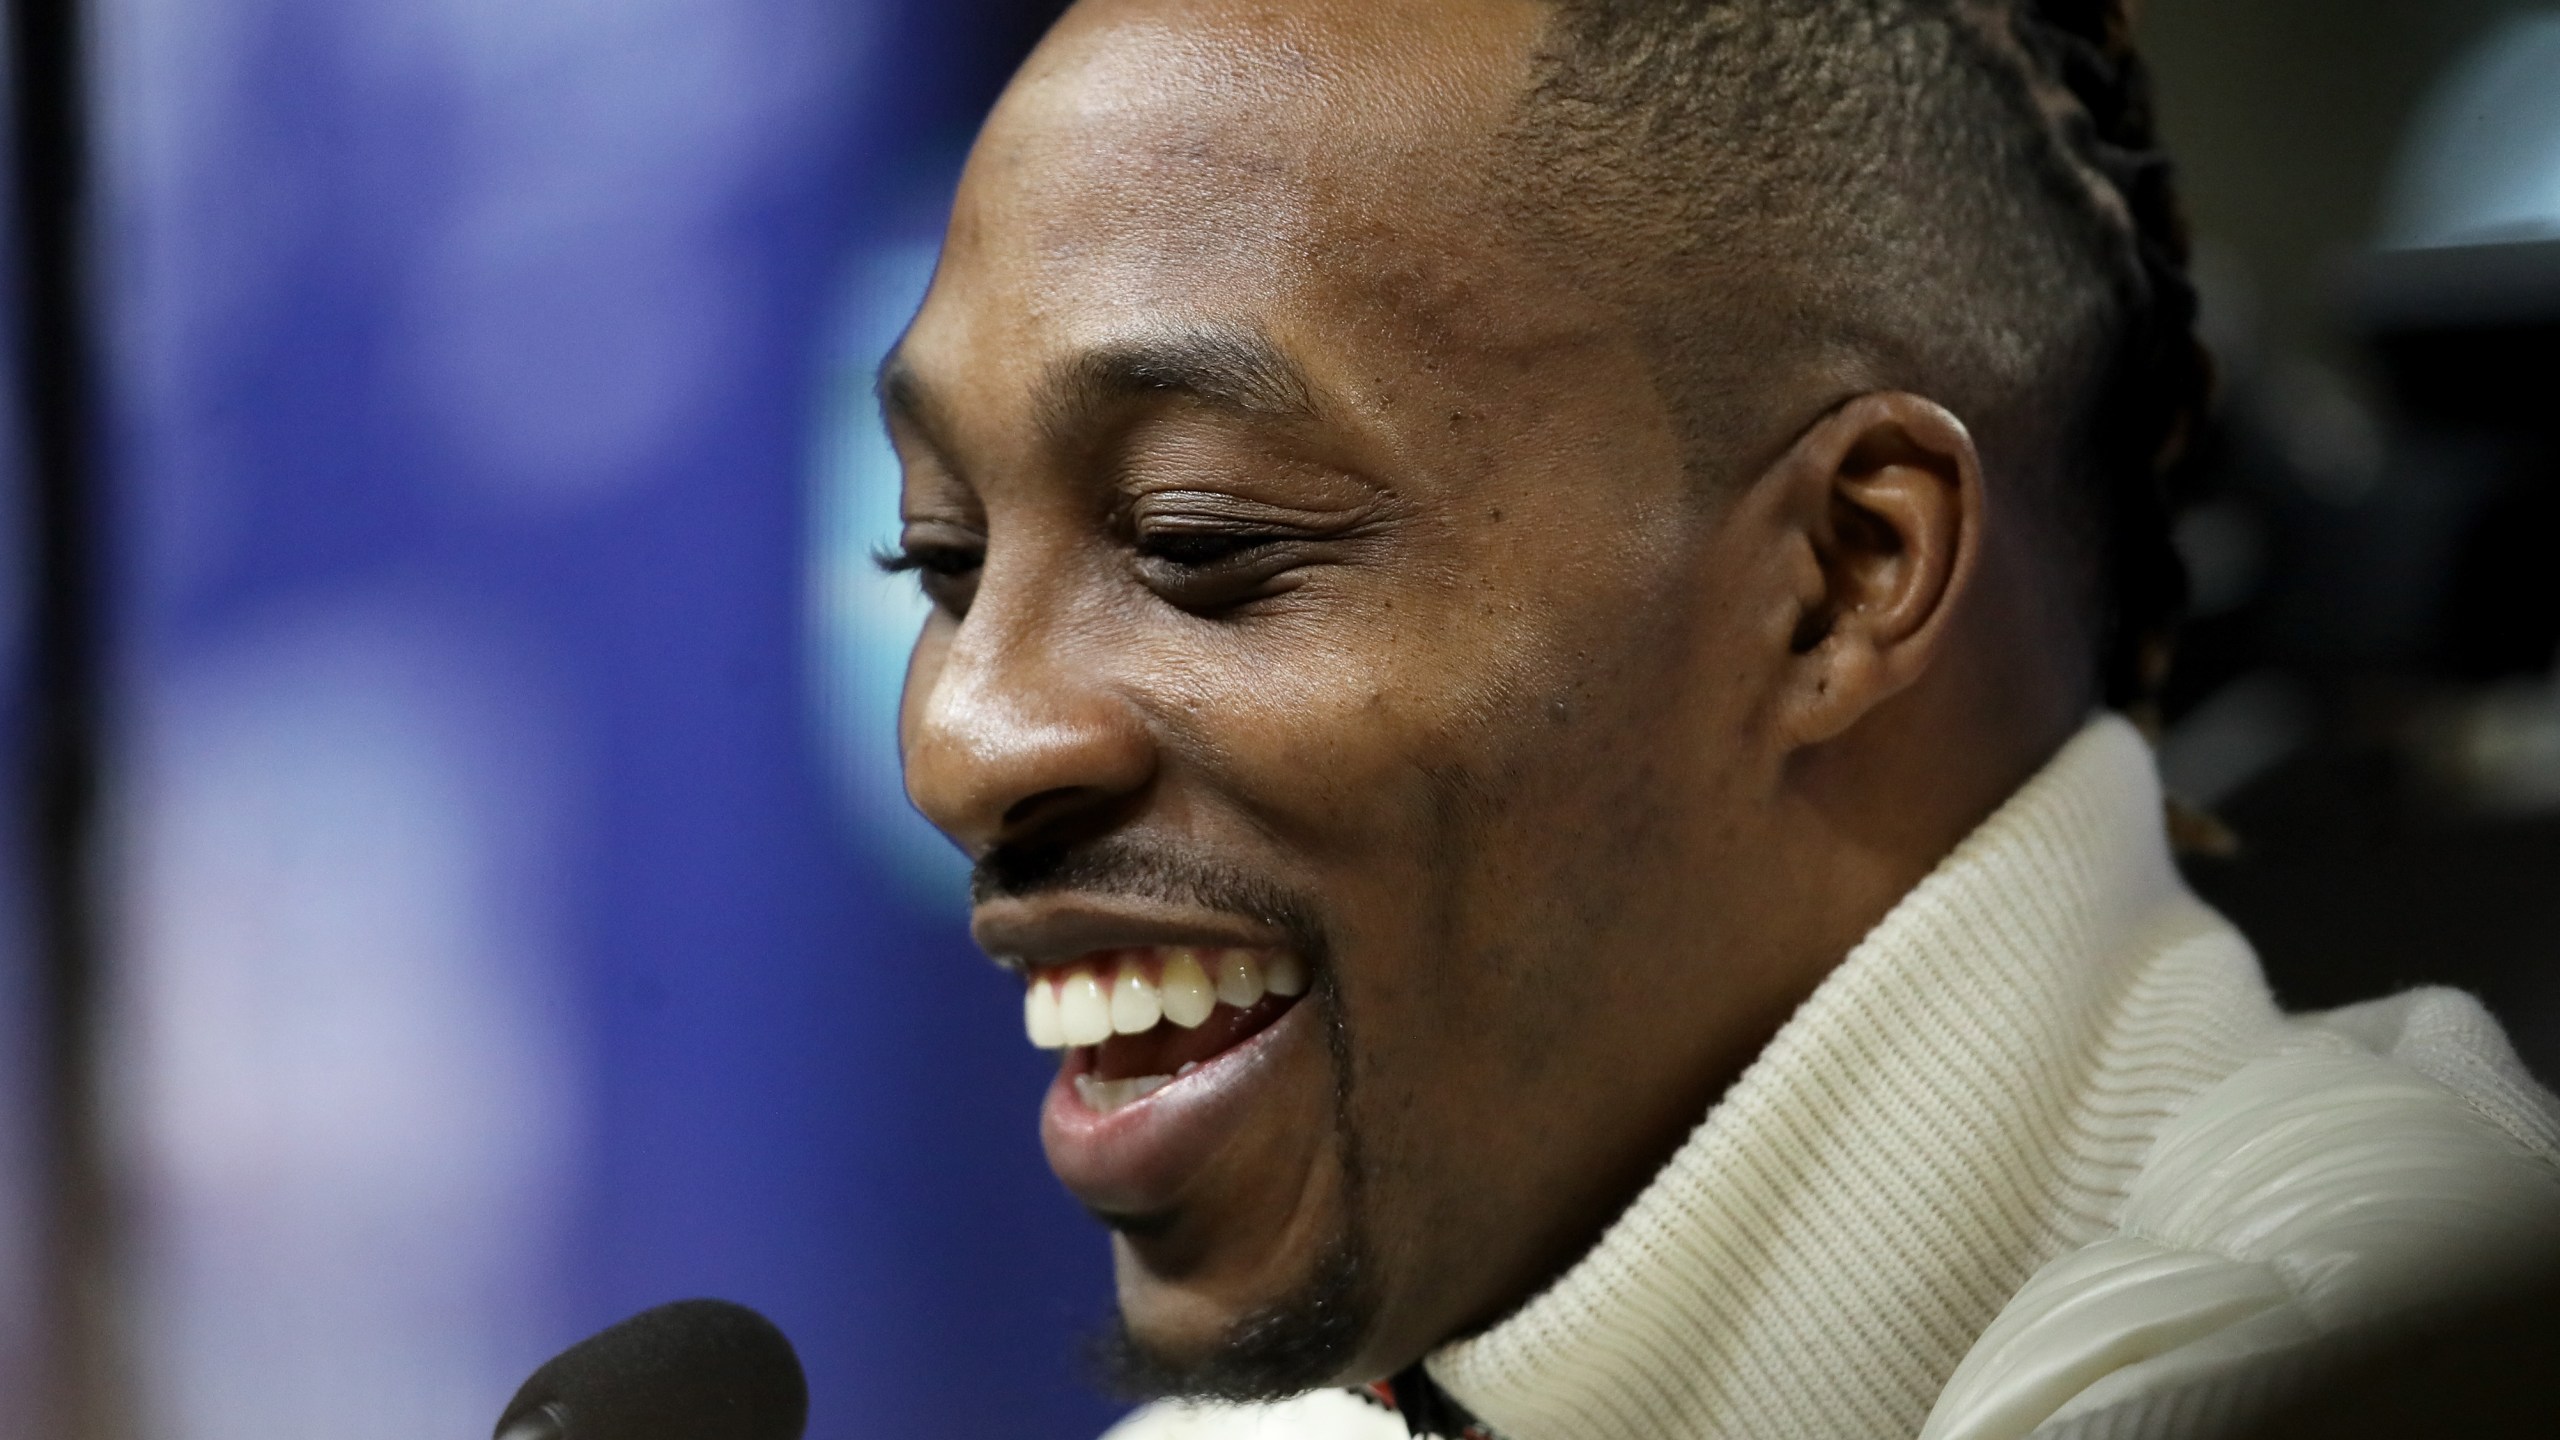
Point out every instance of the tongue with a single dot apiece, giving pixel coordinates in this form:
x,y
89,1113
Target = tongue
x,y
1168,1047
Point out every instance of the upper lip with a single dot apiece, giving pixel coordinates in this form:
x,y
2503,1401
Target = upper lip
x,y
1043,930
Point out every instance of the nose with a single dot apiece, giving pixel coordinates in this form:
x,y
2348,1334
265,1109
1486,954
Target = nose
x,y
1012,733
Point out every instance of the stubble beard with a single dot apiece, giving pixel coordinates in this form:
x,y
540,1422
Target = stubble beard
x,y
1300,1341
1292,1345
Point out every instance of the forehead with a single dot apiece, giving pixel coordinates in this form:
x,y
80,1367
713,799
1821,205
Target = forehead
x,y
1278,168
1217,99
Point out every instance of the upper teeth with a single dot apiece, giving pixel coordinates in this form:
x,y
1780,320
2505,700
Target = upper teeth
x,y
1128,994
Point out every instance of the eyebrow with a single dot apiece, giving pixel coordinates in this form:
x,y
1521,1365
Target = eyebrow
x,y
1232,368
1226,367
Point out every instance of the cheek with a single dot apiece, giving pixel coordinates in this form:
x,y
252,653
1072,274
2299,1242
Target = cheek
x,y
1447,745
1513,840
1337,749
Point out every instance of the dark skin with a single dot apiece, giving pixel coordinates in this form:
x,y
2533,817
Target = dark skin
x,y
1287,509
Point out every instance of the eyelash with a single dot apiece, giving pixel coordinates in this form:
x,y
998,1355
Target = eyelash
x,y
939,561
1181,557
1192,550
1203,549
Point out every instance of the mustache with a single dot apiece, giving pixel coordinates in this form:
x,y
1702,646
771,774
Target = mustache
x,y
1141,869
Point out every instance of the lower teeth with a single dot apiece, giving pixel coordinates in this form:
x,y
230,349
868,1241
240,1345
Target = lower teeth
x,y
1105,1096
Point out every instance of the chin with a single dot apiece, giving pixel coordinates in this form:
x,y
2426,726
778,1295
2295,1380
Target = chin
x,y
1165,1343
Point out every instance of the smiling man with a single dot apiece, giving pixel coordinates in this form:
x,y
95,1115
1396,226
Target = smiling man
x,y
1526,598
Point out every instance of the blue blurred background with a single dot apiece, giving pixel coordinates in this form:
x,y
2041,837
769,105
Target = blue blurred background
x,y
517,918
513,918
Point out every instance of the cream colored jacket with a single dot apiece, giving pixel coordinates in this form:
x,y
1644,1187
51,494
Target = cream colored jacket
x,y
2040,1157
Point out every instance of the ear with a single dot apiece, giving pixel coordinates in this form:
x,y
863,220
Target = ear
x,y
1883,513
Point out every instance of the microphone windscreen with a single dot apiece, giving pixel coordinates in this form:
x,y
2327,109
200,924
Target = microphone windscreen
x,y
691,1370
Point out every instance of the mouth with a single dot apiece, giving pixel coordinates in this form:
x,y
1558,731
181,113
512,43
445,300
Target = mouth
x,y
1175,1061
1137,1021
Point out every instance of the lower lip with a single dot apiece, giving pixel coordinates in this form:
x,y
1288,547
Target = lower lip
x,y
1137,1159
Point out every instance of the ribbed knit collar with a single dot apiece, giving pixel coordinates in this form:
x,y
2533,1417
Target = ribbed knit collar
x,y
1959,1101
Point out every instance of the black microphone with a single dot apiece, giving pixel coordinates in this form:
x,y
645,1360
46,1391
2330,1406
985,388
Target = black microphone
x,y
691,1370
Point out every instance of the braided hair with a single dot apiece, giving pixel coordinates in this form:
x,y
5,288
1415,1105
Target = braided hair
x,y
2156,390
1969,196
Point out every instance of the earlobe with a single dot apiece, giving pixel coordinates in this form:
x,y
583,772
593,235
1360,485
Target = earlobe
x,y
1889,501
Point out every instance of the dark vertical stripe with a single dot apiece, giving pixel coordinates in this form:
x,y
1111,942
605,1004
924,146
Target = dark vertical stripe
x,y
63,683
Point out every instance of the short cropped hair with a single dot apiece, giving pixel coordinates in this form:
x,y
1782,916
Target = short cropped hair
x,y
1964,198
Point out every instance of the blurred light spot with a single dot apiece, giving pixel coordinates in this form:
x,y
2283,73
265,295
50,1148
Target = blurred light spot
x,y
865,622
580,303
2330,438
206,208
346,1082
2239,733
2230,313
2482,164
561,369
2498,750
2225,548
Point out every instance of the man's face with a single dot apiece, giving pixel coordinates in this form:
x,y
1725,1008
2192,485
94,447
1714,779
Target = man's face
x,y
1322,602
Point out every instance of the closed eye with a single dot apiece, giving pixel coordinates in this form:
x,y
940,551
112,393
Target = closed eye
x,y
931,559
1219,567
948,574
1199,548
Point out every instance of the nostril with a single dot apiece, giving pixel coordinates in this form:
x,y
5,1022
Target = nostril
x,y
1032,811
1066,808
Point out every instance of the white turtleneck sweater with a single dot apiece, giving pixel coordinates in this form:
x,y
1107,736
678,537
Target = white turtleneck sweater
x,y
2040,1156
